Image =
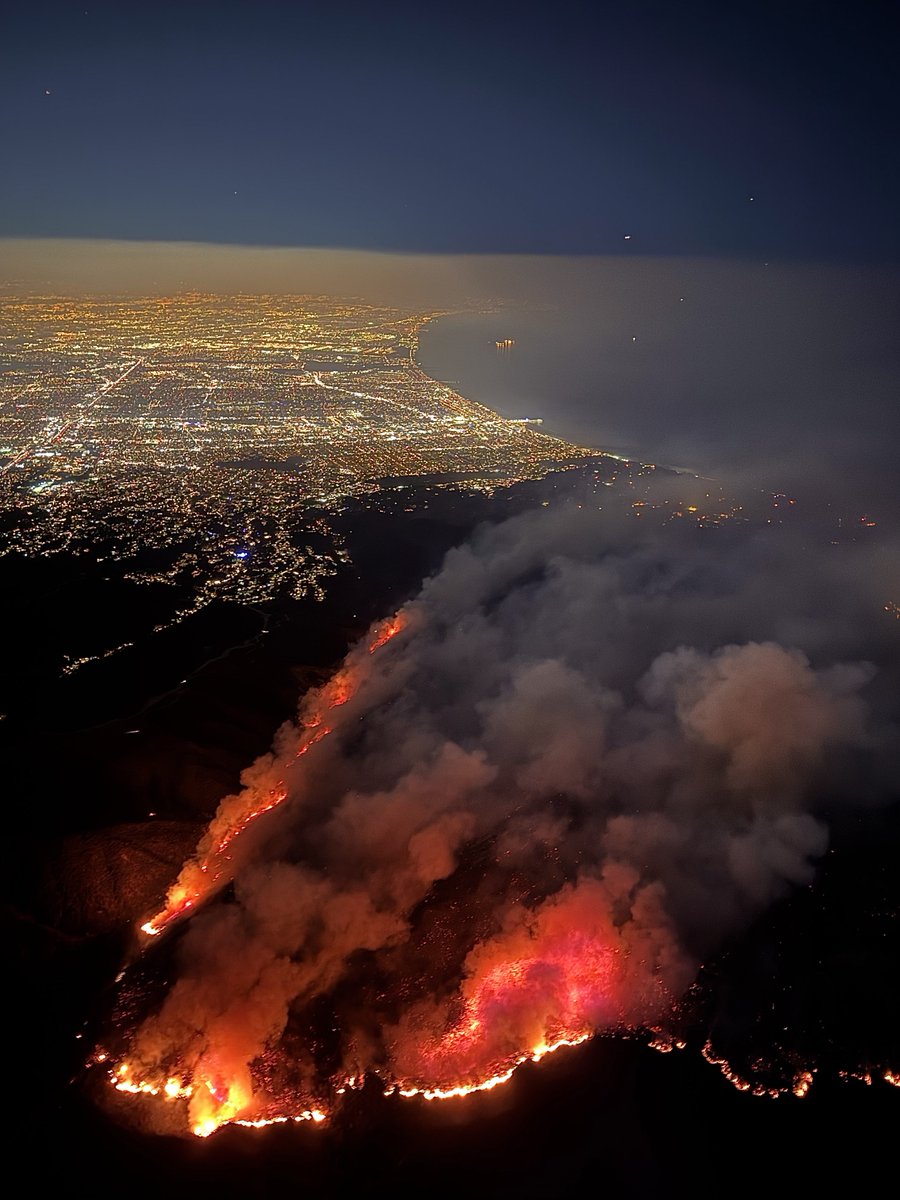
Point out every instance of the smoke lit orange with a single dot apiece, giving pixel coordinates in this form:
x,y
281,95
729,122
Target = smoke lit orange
x,y
426,919
386,630
209,868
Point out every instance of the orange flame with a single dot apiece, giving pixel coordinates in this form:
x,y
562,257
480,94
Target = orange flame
x,y
388,629
212,1103
215,1104
455,1091
208,867
799,1086
555,997
550,989
277,796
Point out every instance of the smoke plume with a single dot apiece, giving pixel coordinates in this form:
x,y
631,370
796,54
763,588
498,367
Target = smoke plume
x,y
522,813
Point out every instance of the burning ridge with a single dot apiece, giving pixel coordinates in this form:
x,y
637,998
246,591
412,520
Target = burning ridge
x,y
210,868
495,835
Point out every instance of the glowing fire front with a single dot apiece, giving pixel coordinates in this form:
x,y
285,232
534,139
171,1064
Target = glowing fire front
x,y
549,997
386,630
468,876
209,868
558,978
212,1103
565,970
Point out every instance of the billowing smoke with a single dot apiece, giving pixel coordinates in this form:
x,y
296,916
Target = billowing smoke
x,y
580,763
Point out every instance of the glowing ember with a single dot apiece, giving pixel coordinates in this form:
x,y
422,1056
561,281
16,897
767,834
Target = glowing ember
x,y
309,742
308,1114
802,1084
665,1043
276,796
798,1087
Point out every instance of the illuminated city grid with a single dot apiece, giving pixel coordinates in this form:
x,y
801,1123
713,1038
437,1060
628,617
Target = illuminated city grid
x,y
208,442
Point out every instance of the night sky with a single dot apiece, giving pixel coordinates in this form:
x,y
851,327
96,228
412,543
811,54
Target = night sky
x,y
741,129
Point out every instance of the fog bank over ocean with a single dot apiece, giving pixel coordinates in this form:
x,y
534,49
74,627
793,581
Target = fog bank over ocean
x,y
782,375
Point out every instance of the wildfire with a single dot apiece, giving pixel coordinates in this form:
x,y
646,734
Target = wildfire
x,y
492,1081
308,1114
200,877
212,1104
208,869
562,987
173,1088
276,796
802,1084
215,1104
798,1087
412,878
665,1043
179,901
552,981
517,1009
386,630
308,743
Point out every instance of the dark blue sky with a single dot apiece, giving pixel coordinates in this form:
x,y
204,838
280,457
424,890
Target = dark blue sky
x,y
513,128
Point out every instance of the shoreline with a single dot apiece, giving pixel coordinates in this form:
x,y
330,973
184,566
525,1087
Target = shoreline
x,y
543,430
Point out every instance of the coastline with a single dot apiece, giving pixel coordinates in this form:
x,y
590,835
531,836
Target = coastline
x,y
471,394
